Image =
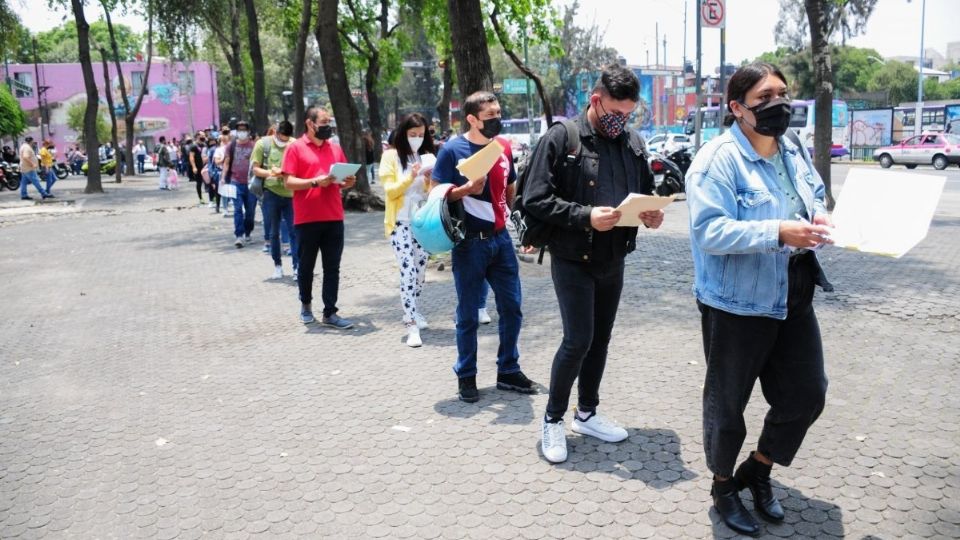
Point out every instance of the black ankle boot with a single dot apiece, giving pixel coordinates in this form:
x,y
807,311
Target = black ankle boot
x,y
726,500
755,476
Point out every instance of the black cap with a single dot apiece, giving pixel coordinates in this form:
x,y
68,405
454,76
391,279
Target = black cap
x,y
243,123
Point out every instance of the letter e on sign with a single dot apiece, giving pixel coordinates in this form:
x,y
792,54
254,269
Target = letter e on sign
x,y
713,14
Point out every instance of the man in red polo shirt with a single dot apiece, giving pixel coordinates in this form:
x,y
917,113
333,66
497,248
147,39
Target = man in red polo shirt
x,y
317,212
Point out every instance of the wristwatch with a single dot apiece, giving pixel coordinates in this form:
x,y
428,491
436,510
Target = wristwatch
x,y
313,183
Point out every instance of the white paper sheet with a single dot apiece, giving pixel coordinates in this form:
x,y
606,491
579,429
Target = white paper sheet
x,y
885,212
635,203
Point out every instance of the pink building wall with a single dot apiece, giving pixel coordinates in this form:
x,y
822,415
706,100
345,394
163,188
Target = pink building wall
x,y
165,109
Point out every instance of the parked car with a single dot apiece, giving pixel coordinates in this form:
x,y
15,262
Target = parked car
x,y
667,143
937,149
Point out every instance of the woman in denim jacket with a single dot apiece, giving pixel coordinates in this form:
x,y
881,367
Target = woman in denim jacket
x,y
756,215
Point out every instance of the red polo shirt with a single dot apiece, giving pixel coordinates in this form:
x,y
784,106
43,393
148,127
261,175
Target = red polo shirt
x,y
304,159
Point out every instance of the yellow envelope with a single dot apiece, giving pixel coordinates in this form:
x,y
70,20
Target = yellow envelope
x,y
479,164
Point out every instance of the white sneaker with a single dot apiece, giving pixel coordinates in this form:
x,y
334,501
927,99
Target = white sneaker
x,y
211,205
413,336
421,321
599,427
483,316
239,242
277,272
553,442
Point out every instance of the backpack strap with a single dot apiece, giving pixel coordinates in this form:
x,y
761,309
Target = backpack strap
x,y
573,137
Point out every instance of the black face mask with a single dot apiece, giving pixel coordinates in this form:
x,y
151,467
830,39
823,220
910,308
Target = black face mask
x,y
491,128
323,132
773,117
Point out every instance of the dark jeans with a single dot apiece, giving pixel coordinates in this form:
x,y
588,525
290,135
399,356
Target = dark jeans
x,y
589,295
276,208
787,357
325,237
244,211
195,177
493,260
141,160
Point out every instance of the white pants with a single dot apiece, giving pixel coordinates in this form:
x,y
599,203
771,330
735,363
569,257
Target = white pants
x,y
163,177
413,269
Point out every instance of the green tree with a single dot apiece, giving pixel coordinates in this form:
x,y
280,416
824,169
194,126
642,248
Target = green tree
x,y
897,79
854,67
75,114
60,44
12,120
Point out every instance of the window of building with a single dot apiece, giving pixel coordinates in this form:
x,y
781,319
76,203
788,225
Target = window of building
x,y
23,85
187,82
136,82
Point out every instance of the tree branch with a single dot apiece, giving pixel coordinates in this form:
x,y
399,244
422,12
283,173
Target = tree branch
x,y
353,45
363,33
502,37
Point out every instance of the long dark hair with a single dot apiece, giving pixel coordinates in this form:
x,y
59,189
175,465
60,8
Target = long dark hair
x,y
401,143
743,80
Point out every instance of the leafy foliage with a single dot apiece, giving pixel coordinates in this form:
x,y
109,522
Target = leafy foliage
x,y
75,121
12,120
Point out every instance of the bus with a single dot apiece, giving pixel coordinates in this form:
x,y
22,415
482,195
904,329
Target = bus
x,y
937,118
802,120
517,131
709,123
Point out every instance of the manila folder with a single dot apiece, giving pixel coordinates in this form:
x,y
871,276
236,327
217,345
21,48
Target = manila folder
x,y
479,164
635,203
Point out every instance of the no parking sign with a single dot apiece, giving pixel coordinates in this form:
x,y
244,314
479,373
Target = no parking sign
x,y
713,14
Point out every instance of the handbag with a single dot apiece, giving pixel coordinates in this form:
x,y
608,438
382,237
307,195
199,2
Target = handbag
x,y
228,191
256,183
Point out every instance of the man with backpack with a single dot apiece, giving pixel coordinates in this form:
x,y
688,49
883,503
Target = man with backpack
x,y
486,254
236,167
163,161
579,172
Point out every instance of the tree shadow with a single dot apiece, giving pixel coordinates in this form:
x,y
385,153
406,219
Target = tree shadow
x,y
805,516
362,326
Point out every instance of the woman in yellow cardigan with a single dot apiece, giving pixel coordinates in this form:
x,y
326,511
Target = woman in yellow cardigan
x,y
406,187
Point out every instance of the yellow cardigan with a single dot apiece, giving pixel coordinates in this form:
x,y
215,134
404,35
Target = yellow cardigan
x,y
395,186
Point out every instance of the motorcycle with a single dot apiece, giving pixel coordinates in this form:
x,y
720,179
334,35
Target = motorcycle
x,y
61,170
11,175
106,167
682,158
667,176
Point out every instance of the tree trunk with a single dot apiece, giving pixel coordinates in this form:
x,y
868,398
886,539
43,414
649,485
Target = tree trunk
x,y
344,107
505,43
373,104
235,59
823,94
443,107
131,115
113,115
93,100
470,53
299,60
260,121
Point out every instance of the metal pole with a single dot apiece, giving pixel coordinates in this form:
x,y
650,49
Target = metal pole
x,y
36,88
723,76
698,115
656,43
684,37
918,120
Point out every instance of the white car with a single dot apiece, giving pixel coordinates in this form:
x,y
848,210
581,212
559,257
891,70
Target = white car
x,y
665,143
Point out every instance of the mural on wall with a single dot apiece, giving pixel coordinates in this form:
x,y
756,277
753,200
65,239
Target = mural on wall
x,y
165,110
871,127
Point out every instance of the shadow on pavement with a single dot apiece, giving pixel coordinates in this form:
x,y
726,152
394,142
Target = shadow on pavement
x,y
362,326
807,517
509,407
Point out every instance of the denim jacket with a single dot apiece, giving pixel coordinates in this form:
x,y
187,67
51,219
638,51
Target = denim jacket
x,y
736,206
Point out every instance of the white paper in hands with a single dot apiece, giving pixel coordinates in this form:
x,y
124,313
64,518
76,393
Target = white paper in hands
x,y
885,212
340,171
635,203
427,162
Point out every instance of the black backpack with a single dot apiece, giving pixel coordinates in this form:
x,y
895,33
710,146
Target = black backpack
x,y
531,231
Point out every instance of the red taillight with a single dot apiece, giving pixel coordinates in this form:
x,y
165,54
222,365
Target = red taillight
x,y
657,166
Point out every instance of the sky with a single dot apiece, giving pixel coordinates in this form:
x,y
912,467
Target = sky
x,y
630,27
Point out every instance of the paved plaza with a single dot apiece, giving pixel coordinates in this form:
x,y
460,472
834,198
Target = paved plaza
x,y
155,384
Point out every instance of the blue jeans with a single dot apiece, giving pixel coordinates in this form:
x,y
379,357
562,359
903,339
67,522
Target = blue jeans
x,y
141,160
275,209
244,211
50,176
31,178
493,260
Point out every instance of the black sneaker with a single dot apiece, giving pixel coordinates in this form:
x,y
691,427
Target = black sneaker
x,y
516,382
468,389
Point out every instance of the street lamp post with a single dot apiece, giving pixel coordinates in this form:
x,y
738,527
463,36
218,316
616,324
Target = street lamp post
x,y
918,115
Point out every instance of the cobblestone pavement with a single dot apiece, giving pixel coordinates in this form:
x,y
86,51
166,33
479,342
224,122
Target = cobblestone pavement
x,y
155,384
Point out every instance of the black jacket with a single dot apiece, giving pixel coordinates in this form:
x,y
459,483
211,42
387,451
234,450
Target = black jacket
x,y
562,188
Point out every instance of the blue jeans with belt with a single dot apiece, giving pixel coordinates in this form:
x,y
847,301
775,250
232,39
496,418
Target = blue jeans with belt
x,y
494,260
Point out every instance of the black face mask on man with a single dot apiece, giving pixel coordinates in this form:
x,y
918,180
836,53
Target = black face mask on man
x,y
772,117
491,127
323,132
